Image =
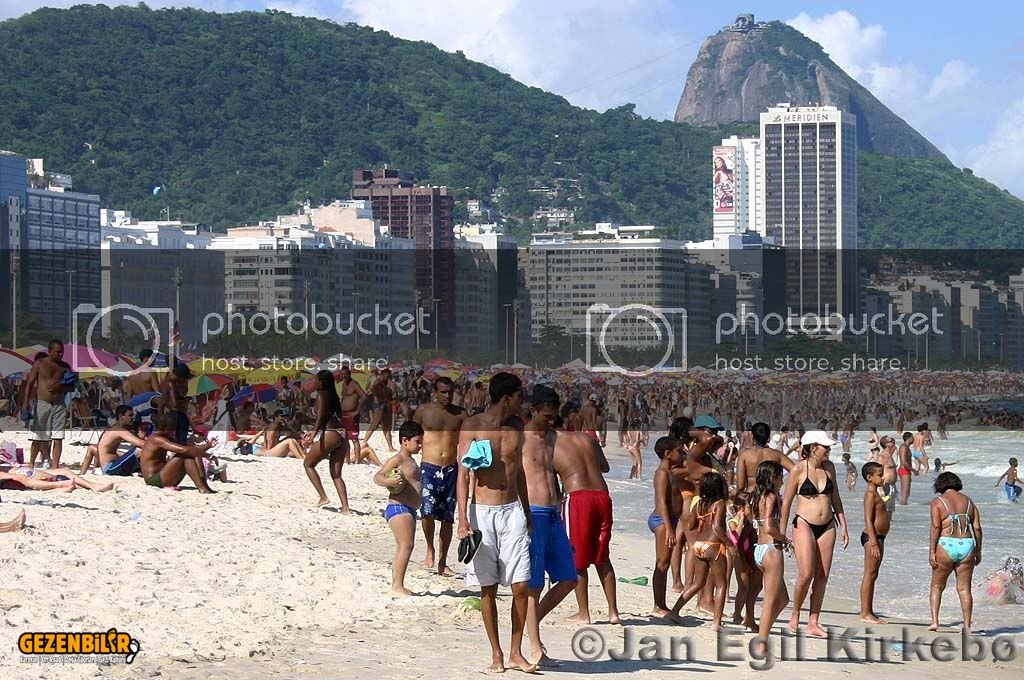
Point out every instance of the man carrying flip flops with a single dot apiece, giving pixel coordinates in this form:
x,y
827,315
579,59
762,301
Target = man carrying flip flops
x,y
491,447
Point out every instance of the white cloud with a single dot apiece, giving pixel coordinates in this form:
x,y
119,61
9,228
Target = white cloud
x,y
1001,158
955,75
853,47
578,48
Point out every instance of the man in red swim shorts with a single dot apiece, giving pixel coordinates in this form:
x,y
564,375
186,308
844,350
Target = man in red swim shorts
x,y
580,462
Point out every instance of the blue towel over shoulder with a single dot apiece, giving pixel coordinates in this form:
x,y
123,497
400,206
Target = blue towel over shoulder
x,y
478,456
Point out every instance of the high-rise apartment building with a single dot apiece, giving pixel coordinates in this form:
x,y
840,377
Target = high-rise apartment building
x,y
424,214
737,183
50,235
810,204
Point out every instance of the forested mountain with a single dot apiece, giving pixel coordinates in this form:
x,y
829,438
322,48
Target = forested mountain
x,y
241,116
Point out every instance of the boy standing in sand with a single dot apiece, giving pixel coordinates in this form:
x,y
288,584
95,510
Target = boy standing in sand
x,y
400,475
1012,490
876,526
664,521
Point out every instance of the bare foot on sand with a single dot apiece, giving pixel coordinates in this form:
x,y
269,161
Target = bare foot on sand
x,y
428,561
816,631
401,592
445,571
871,618
934,627
613,618
677,587
794,624
518,663
322,502
660,613
578,617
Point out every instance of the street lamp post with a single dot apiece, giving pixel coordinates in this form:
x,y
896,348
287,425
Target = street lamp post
x,y
508,308
515,332
436,300
417,321
177,295
305,299
14,299
70,273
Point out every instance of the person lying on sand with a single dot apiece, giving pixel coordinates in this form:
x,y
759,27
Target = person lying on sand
x,y
58,479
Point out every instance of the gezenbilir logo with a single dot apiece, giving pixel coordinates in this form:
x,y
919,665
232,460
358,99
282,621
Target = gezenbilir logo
x,y
110,643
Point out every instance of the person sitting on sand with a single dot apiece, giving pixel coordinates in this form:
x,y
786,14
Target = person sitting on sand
x,y
276,440
118,444
58,479
400,475
159,471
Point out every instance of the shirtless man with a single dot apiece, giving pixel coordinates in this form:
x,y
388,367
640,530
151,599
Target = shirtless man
x,y
491,446
750,458
160,472
352,398
905,467
173,390
117,443
143,379
45,388
476,399
383,391
550,550
888,462
590,417
580,463
440,421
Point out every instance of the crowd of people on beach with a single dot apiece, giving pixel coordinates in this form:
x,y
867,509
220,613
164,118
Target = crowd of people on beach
x,y
515,474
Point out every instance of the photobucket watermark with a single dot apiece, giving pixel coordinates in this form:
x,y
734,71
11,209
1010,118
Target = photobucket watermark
x,y
375,323
889,322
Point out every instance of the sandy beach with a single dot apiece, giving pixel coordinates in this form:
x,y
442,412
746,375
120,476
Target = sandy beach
x,y
255,582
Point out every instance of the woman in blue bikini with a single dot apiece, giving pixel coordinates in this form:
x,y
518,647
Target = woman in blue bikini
x,y
955,545
814,525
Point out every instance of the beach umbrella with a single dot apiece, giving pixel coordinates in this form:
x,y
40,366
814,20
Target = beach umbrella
x,y
207,383
260,392
82,358
12,362
31,350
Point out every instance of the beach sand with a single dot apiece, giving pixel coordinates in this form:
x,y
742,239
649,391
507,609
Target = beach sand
x,y
255,582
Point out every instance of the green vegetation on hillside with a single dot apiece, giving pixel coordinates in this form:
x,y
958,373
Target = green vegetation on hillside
x,y
243,116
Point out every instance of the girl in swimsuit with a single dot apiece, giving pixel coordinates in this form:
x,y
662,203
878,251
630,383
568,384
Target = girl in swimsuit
x,y
955,545
707,522
771,541
327,440
814,526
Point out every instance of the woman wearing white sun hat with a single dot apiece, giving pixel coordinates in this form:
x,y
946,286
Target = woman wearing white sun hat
x,y
813,479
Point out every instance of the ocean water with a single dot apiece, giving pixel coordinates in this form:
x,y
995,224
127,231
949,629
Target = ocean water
x,y
903,583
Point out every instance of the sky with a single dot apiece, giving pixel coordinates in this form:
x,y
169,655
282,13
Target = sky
x,y
953,70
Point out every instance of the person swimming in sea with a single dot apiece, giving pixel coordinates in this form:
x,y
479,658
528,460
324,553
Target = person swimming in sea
x,y
941,467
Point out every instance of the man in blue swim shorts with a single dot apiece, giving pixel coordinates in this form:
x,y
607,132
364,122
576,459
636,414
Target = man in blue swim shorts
x,y
440,420
550,550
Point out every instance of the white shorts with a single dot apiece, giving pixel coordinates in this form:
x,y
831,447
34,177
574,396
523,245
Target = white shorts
x,y
504,553
49,421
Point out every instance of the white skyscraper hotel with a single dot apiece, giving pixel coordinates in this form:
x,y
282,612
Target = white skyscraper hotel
x,y
810,204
